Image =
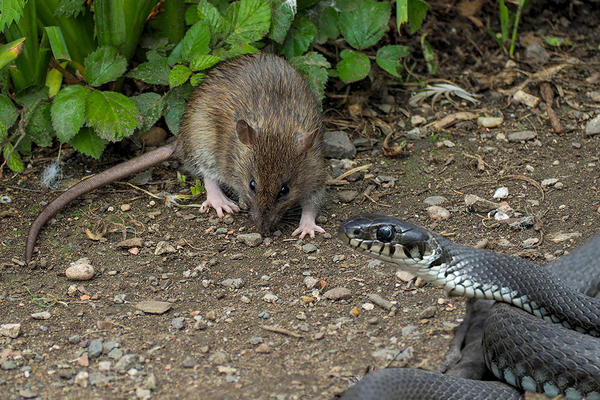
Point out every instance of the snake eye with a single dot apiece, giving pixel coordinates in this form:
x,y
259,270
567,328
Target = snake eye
x,y
385,233
253,185
283,191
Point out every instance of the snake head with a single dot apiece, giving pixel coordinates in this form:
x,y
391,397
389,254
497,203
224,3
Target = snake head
x,y
386,237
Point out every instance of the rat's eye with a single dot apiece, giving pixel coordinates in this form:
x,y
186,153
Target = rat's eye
x,y
253,185
385,233
283,191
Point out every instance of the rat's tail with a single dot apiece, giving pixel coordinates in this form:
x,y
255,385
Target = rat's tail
x,y
119,171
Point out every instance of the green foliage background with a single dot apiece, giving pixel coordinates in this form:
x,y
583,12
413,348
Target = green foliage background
x,y
65,65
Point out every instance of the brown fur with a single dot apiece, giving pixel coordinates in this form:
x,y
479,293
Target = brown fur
x,y
271,96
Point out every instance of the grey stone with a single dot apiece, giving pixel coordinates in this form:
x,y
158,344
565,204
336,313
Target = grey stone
x,y
10,330
336,144
250,239
115,353
126,362
592,128
74,339
189,362
233,283
346,196
380,301
309,248
41,315
535,53
429,312
435,200
521,136
95,348
8,365
153,306
178,323
337,293
27,393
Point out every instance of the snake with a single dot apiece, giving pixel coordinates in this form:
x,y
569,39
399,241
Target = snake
x,y
541,335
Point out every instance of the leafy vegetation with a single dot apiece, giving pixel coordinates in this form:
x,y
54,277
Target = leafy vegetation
x,y
89,73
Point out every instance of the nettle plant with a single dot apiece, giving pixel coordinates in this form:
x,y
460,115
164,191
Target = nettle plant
x,y
92,72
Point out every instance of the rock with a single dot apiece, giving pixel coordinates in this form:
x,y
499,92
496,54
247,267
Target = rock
x,y
95,348
337,293
309,248
41,315
477,204
10,330
178,323
536,54
521,136
189,362
143,394
27,393
81,378
126,362
435,200
592,127
438,213
409,330
153,306
405,276
125,207
548,182
429,312
104,365
131,242
530,242
250,239
263,348
490,122
380,301
310,282
150,382
233,283
164,247
84,360
362,144
8,365
346,196
501,193
336,144
417,120
270,297
80,270
561,237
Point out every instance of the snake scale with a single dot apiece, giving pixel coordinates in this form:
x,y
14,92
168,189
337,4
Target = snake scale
x,y
541,335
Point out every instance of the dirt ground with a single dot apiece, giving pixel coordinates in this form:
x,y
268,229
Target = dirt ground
x,y
272,333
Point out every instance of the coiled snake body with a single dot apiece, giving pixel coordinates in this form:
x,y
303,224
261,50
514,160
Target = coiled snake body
x,y
541,336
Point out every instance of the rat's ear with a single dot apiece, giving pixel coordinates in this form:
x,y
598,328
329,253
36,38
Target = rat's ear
x,y
305,142
246,133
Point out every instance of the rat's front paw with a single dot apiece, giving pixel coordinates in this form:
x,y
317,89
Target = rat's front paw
x,y
220,203
307,228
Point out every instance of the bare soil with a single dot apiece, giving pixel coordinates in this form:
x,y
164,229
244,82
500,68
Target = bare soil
x,y
321,344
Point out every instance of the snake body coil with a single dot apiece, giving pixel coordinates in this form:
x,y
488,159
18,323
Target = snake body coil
x,y
542,337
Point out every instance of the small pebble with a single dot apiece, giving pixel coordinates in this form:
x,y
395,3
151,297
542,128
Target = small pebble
x,y
380,301
41,315
263,348
347,196
501,193
153,306
189,362
309,248
125,207
337,293
233,283
80,270
310,282
490,122
405,276
438,213
435,200
95,348
250,239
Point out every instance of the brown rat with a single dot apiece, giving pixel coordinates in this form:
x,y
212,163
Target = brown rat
x,y
253,126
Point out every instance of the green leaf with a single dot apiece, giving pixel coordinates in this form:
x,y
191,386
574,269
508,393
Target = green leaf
x,y
88,143
39,126
282,17
191,15
416,12
60,51
32,95
388,58
505,21
212,17
247,21
24,146
354,66
299,37
197,79
12,10
104,65
179,75
154,71
13,160
195,41
68,111
3,132
69,8
112,115
235,50
8,111
175,101
366,24
429,55
326,22
203,61
10,51
151,107
313,67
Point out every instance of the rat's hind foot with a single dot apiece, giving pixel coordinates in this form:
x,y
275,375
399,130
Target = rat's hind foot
x,y
216,199
308,226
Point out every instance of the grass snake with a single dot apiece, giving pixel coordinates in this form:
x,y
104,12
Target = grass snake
x,y
541,335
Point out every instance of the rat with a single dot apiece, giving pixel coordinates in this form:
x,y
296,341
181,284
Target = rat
x,y
252,126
